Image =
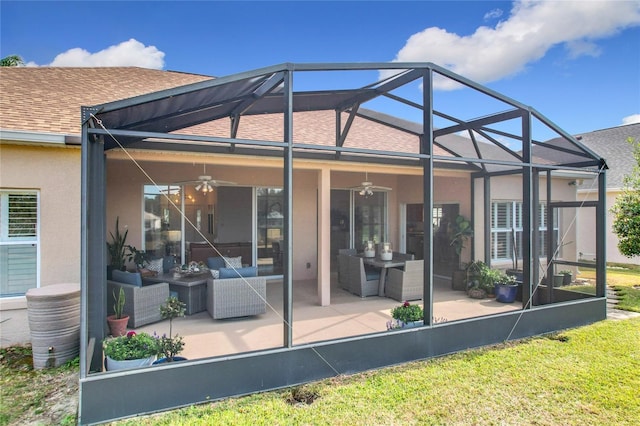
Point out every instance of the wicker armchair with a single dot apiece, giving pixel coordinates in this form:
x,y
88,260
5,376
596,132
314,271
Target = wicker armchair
x,y
142,304
343,267
363,282
407,284
236,297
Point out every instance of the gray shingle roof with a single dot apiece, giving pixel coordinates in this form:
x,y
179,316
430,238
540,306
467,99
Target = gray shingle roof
x,y
611,144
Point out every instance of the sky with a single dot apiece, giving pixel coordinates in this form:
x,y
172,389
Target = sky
x,y
578,63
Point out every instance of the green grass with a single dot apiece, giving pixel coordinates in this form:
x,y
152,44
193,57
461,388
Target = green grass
x,y
624,279
27,394
578,377
629,298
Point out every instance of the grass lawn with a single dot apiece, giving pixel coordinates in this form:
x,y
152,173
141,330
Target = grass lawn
x,y
578,377
624,280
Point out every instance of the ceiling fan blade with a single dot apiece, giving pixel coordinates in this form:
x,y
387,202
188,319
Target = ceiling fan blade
x,y
216,182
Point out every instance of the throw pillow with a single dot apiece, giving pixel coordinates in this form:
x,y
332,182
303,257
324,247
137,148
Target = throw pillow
x,y
233,262
127,277
249,271
215,273
215,262
155,265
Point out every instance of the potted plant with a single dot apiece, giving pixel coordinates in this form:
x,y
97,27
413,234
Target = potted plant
x,y
505,288
116,249
130,351
171,346
478,280
118,321
406,316
460,231
567,277
138,257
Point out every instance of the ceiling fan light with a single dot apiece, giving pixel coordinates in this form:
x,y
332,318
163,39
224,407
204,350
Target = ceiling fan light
x,y
198,187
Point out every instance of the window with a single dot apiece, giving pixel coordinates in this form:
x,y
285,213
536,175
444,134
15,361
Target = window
x,y
19,232
506,230
163,221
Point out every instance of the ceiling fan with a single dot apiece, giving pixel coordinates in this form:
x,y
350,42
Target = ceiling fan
x,y
366,188
205,182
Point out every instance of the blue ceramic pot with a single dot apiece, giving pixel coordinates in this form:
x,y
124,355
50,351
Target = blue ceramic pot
x,y
505,293
164,360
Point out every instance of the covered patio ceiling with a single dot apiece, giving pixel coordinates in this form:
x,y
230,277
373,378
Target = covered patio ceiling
x,y
189,118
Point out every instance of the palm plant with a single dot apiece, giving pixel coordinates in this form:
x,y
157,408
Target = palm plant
x,y
117,247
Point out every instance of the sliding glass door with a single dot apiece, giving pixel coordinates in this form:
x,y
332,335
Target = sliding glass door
x,y
356,219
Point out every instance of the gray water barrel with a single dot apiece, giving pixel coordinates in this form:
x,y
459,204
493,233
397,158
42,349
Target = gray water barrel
x,y
54,320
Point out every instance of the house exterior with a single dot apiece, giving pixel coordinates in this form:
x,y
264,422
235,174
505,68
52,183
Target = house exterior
x,y
293,165
40,158
611,144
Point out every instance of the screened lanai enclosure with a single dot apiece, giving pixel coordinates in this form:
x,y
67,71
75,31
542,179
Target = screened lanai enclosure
x,y
283,171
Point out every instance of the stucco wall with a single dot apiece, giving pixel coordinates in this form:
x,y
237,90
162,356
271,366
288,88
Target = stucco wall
x,y
587,222
55,173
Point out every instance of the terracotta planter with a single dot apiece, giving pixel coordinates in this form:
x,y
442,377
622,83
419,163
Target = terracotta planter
x,y
118,327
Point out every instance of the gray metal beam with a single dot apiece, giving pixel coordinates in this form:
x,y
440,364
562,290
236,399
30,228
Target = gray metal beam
x,y
427,193
287,287
93,248
480,122
527,210
601,232
486,181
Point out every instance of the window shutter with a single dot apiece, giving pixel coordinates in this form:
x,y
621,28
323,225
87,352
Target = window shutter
x,y
22,216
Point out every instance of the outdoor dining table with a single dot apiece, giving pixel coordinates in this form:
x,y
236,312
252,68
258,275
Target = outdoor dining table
x,y
383,265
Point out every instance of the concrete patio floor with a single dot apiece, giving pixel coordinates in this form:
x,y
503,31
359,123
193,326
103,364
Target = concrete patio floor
x,y
347,315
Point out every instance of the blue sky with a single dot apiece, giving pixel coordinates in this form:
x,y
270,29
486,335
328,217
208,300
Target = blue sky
x,y
578,63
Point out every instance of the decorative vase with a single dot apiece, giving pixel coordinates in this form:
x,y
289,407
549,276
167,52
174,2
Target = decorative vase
x,y
112,364
505,293
118,326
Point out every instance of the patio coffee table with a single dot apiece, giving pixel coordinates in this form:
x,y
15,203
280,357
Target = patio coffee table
x,y
191,290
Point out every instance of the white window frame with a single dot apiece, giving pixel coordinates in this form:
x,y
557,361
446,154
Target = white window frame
x,y
514,223
6,240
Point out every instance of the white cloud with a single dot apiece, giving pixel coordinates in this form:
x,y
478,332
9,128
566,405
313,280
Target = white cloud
x,y
493,14
631,119
532,28
127,53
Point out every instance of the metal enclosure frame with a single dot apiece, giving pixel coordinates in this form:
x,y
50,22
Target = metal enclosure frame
x,y
136,122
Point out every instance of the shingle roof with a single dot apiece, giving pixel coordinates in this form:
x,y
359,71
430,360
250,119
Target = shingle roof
x,y
611,144
48,99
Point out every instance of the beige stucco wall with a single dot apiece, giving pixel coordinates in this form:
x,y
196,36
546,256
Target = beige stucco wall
x,y
55,173
587,223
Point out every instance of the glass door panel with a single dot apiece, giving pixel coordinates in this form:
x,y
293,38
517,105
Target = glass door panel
x,y
163,221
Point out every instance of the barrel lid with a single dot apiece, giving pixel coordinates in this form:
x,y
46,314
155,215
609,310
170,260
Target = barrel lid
x,y
54,290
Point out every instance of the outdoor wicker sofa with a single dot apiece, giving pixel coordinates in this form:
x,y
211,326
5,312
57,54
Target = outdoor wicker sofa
x,y
236,297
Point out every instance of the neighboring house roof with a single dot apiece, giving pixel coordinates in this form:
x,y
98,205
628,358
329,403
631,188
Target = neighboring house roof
x,y
611,144
48,99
